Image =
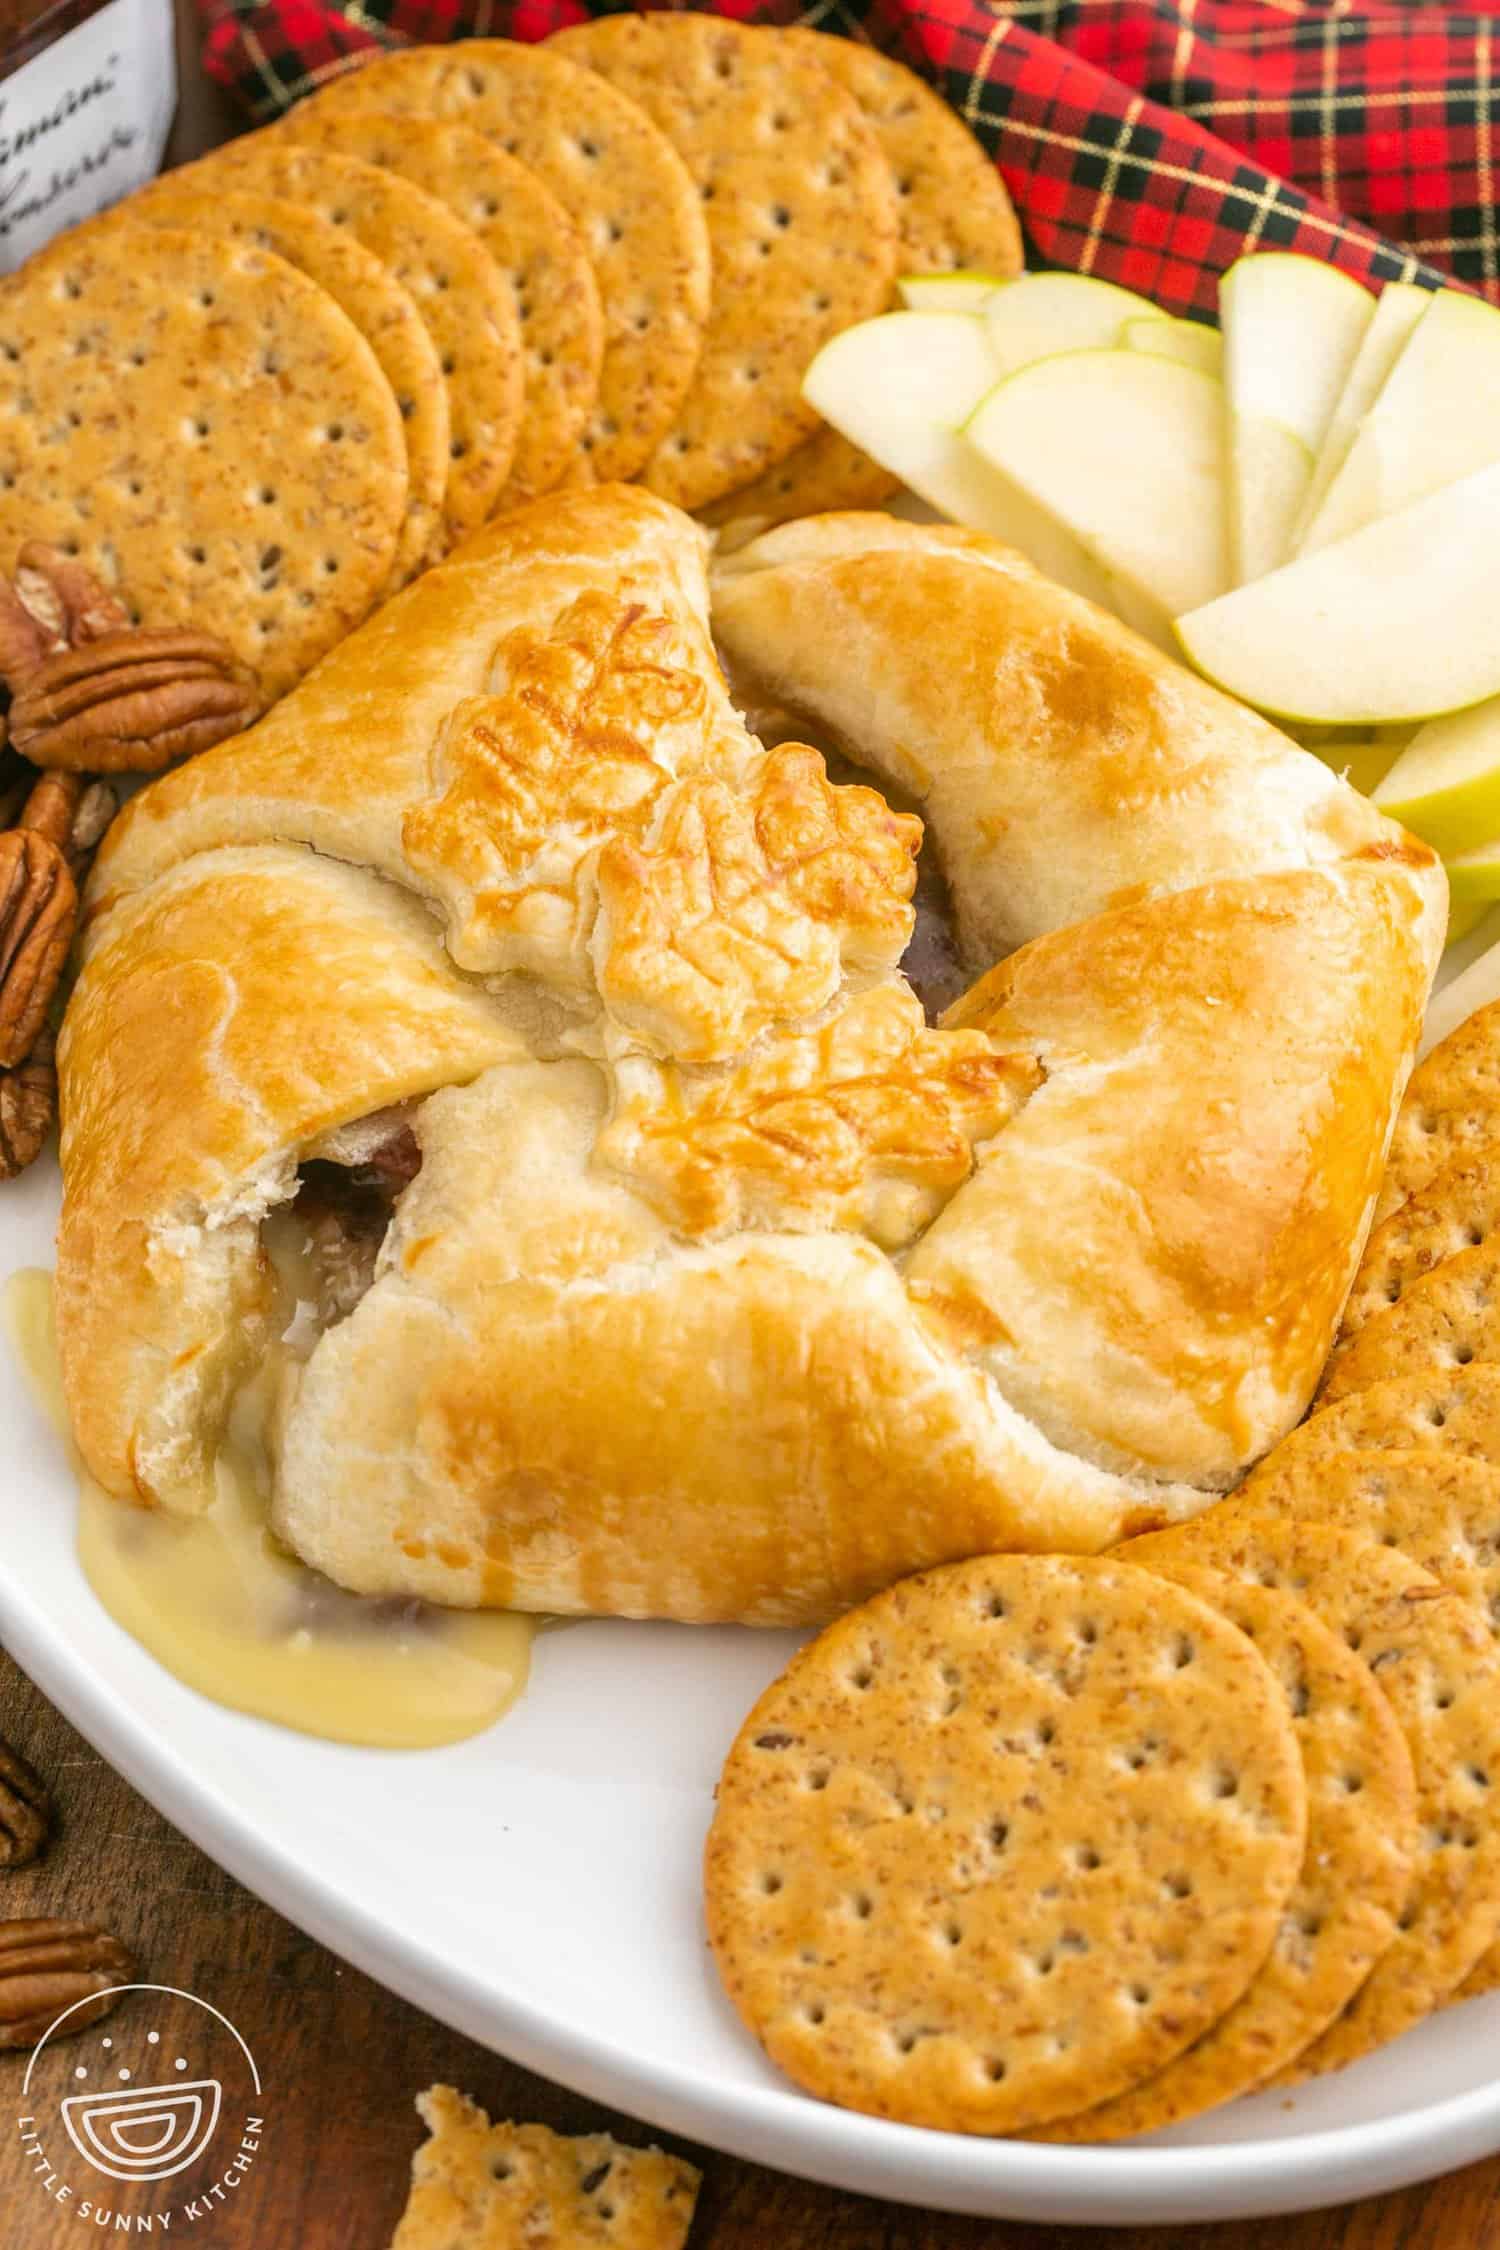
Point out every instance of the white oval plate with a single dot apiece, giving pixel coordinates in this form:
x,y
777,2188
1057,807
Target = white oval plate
x,y
537,1888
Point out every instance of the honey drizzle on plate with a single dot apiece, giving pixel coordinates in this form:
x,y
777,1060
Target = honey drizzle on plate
x,y
227,1609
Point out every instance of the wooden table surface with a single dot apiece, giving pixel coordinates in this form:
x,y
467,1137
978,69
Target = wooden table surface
x,y
342,2059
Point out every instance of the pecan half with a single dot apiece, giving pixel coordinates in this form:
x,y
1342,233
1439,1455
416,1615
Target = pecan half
x,y
47,1967
67,597
38,912
28,1104
130,702
96,809
52,806
25,1810
24,641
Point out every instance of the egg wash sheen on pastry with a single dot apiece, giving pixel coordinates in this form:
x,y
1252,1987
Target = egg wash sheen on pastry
x,y
230,1612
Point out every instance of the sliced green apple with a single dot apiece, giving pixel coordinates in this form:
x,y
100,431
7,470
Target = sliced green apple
x,y
1363,765
1464,918
1126,450
1187,340
948,292
1397,622
1475,986
1466,945
1057,312
1268,474
1135,607
1446,786
1436,419
1292,328
1475,874
900,387
1397,310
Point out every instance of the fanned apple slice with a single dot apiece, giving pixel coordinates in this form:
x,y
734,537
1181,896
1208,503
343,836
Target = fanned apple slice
x,y
1364,765
1292,328
1269,470
1465,917
1446,786
1042,313
1187,340
1397,622
1475,874
1125,449
948,292
1136,608
1436,419
1397,310
900,387
1475,987
1467,947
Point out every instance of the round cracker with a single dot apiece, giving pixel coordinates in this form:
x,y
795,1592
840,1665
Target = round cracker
x,y
201,425
1356,1868
825,475
1450,1318
1457,1210
622,183
1442,1410
533,242
1440,1510
954,211
1432,1658
374,300
1452,1109
802,222
1003,1841
458,289
1482,1978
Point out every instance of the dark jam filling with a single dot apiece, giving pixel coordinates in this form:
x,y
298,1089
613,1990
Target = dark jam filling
x,y
345,1211
931,963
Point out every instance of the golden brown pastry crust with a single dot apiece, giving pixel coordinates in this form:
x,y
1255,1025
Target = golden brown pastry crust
x,y
1062,765
728,1288
241,1007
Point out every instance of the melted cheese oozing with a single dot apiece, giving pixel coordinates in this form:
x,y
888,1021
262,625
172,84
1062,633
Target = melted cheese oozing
x,y
223,1606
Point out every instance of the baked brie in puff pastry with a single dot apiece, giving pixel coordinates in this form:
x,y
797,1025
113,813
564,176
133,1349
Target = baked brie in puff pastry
x,y
708,1280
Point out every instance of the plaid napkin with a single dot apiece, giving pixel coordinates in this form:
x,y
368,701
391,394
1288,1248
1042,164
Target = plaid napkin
x,y
1150,142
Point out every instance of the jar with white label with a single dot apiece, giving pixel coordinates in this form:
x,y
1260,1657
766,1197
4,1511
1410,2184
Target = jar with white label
x,y
87,93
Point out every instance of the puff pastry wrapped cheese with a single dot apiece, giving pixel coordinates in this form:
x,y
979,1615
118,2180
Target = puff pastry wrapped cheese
x,y
728,1287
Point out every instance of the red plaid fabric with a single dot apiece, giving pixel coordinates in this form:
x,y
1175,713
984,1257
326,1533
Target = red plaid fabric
x,y
1150,142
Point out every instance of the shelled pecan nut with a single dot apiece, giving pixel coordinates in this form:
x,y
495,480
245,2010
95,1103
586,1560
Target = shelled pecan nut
x,y
38,913
24,640
63,593
130,702
47,1967
52,807
25,1810
95,810
72,812
28,1104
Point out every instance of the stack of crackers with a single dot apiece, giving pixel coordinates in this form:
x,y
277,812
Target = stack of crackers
x,y
1403,1444
269,388
1079,1848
